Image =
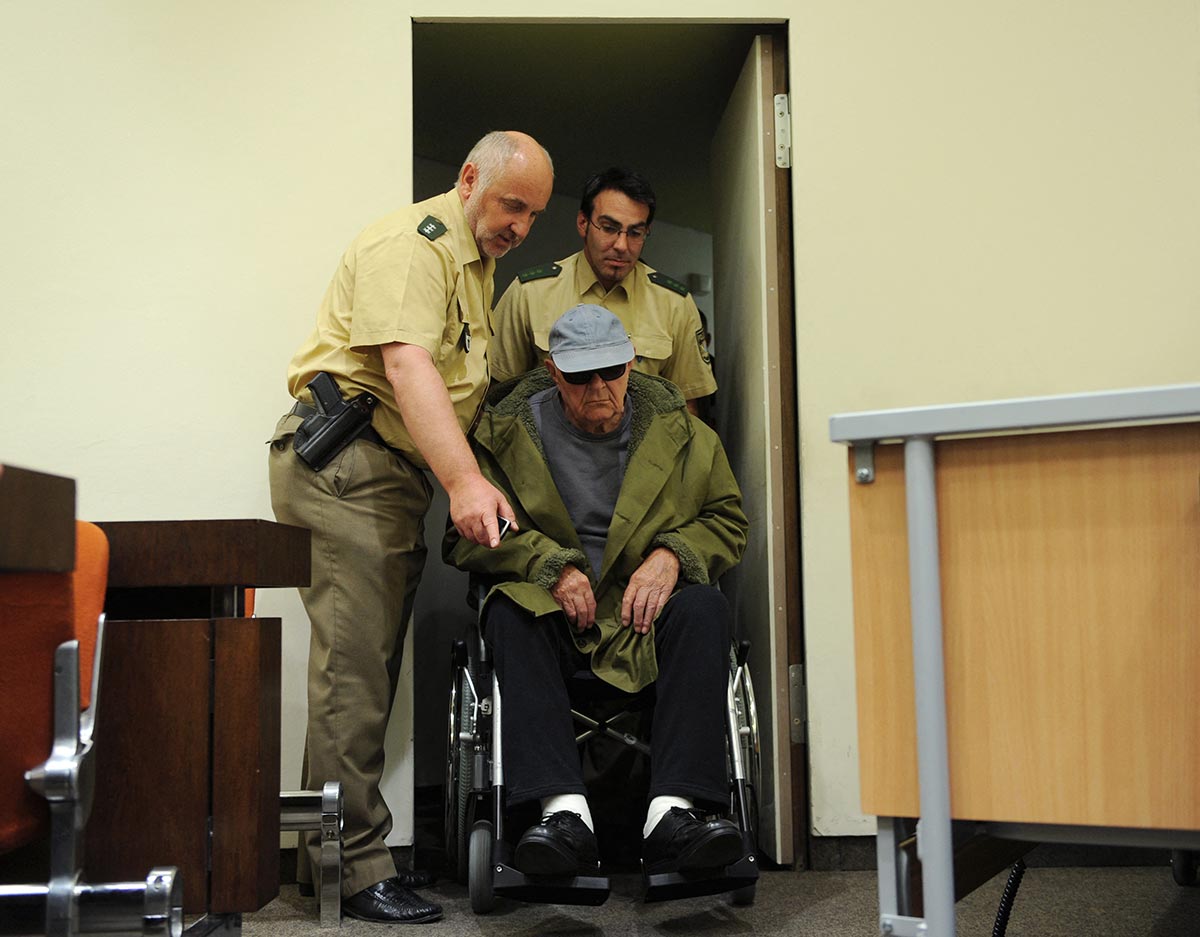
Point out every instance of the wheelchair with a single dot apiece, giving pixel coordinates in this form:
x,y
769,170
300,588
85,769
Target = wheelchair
x,y
478,853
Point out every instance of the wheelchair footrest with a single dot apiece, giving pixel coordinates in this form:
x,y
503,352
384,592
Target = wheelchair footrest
x,y
550,889
668,886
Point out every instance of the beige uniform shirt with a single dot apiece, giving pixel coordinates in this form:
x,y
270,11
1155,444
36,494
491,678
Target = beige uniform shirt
x,y
663,323
396,284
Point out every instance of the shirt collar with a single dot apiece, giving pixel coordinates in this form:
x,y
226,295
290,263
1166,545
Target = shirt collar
x,y
465,247
585,278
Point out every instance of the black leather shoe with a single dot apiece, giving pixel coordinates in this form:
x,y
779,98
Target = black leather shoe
x,y
560,845
389,903
409,878
684,841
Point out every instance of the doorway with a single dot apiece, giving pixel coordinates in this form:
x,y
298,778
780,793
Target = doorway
x,y
650,97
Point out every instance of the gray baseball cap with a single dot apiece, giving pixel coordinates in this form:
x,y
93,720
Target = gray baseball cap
x,y
588,337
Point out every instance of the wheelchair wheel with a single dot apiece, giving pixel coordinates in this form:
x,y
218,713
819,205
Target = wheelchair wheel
x,y
743,896
459,762
1183,867
480,879
747,722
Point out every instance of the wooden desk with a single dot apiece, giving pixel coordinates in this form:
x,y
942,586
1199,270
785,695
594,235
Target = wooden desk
x,y
1025,624
188,742
1070,597
37,521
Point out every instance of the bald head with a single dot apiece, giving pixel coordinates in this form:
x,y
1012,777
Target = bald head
x,y
505,183
494,151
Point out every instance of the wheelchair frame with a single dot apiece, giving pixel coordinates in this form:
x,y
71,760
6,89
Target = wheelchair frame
x,y
476,849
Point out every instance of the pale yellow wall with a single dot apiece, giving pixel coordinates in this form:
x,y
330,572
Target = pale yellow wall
x,y
989,200
177,183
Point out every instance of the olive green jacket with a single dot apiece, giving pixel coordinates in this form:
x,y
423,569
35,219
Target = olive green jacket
x,y
678,492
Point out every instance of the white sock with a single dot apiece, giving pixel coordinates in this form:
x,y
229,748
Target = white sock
x,y
576,803
658,809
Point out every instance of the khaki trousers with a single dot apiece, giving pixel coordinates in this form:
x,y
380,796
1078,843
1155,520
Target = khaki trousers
x,y
366,511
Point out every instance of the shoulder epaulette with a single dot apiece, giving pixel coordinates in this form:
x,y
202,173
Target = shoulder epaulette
x,y
661,279
540,272
431,228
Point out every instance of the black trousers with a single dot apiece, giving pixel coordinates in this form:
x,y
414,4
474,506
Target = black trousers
x,y
535,660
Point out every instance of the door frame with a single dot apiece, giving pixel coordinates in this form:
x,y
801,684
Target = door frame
x,y
784,341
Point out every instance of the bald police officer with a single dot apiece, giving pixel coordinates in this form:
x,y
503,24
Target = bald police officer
x,y
398,370
615,215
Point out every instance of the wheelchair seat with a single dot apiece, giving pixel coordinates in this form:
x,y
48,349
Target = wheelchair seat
x,y
478,852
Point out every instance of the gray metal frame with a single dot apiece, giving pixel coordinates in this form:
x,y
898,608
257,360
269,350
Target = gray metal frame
x,y
320,810
917,429
1179,401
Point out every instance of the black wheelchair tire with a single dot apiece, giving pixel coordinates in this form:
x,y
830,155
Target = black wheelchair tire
x,y
480,880
1183,867
465,780
451,830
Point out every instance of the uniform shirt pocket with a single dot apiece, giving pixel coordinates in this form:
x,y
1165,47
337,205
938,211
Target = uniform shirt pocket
x,y
652,352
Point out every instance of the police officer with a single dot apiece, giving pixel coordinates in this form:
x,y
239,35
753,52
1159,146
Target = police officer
x,y
615,215
404,327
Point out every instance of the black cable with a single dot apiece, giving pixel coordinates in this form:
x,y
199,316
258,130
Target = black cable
x,y
1006,899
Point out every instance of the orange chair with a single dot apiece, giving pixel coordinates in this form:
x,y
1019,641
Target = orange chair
x,y
52,626
35,618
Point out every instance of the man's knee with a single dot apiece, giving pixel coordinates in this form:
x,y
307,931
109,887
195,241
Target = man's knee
x,y
511,630
501,613
504,621
703,611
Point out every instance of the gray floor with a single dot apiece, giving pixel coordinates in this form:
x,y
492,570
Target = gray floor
x,y
1071,902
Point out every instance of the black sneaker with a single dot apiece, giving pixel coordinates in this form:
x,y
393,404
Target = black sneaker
x,y
684,841
561,844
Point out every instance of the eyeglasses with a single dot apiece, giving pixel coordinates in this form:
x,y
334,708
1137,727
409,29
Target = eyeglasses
x,y
634,235
611,373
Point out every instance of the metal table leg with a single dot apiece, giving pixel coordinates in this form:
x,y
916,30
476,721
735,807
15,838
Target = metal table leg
x,y
934,841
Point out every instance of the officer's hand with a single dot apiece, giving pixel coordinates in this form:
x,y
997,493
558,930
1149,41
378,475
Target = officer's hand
x,y
474,504
573,593
649,588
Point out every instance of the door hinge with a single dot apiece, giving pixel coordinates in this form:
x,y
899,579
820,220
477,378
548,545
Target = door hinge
x,y
797,704
783,132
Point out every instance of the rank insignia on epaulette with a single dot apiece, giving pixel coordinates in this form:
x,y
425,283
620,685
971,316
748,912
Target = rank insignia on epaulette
x,y
431,228
540,272
661,279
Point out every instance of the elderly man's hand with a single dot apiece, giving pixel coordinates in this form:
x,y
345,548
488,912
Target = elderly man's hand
x,y
649,588
573,593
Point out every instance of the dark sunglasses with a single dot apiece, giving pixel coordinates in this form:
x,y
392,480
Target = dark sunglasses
x,y
611,373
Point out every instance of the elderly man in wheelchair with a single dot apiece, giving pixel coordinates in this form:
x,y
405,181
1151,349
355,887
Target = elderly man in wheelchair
x,y
626,513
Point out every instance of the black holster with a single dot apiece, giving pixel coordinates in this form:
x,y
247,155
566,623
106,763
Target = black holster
x,y
333,424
